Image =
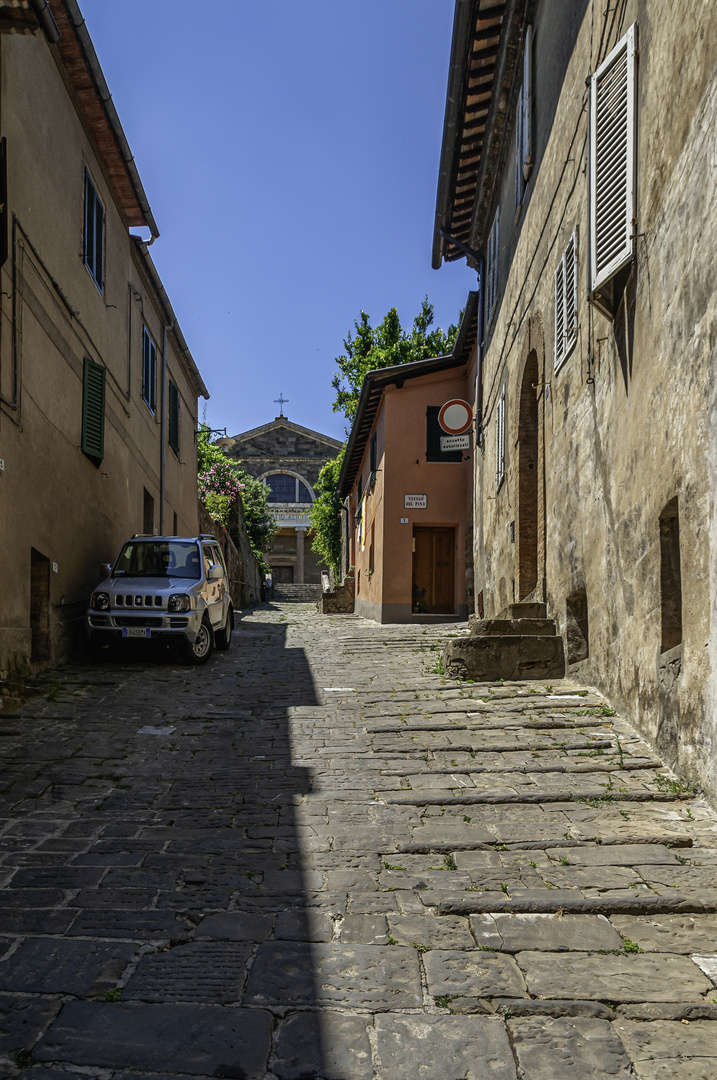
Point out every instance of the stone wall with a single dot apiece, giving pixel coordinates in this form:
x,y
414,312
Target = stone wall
x,y
242,567
611,457
340,600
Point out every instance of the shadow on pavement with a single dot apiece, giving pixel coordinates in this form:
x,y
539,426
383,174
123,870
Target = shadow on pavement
x,y
153,908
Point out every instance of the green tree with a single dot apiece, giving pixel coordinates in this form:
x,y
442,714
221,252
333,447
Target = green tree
x,y
326,514
367,350
383,346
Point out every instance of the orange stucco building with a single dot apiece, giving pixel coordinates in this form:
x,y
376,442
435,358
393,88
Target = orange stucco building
x,y
407,501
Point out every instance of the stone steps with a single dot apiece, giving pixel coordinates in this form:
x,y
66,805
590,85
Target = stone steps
x,y
297,594
521,643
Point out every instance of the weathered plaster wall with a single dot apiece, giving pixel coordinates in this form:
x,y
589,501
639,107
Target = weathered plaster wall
x,y
54,499
402,470
625,423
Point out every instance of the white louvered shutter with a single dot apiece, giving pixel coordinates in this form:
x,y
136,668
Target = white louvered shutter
x,y
612,161
527,104
560,314
570,260
519,181
492,267
566,302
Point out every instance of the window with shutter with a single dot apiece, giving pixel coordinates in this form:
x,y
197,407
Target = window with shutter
x,y
149,371
566,302
94,234
519,180
434,433
93,411
174,417
527,103
491,268
500,440
524,123
612,168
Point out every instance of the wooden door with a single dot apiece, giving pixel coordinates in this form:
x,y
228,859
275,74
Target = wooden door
x,y
283,575
433,570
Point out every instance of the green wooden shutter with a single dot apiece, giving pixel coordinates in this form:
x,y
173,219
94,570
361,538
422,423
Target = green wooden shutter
x,y
93,411
174,417
434,431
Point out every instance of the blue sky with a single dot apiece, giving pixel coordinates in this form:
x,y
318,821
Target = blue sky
x,y
290,155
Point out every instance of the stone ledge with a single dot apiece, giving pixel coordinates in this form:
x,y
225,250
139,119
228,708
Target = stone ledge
x,y
616,905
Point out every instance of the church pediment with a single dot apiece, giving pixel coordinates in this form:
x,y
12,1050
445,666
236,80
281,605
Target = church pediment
x,y
283,439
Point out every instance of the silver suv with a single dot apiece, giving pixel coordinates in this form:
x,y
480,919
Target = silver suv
x,y
164,588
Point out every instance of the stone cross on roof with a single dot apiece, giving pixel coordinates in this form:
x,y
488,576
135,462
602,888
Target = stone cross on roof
x,y
281,401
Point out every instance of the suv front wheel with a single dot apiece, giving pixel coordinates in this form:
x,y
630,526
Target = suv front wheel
x,y
203,645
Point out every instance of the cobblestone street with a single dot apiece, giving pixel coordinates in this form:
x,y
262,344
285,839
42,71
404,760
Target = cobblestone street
x,y
319,857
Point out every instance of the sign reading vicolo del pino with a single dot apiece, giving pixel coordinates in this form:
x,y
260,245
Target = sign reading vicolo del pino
x,y
415,502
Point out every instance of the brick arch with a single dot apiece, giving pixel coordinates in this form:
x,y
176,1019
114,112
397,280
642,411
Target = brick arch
x,y
281,471
530,445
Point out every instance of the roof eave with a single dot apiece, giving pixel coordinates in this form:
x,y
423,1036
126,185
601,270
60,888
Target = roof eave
x,y
463,21
75,44
171,319
373,386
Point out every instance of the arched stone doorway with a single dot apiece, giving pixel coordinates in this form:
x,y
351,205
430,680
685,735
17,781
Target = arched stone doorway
x,y
528,475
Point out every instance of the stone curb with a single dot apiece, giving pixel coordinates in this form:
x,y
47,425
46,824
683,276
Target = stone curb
x,y
540,797
678,841
648,905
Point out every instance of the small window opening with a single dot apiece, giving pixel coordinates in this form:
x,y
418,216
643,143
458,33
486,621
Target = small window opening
x,y
174,525
670,577
371,549
148,514
39,607
576,627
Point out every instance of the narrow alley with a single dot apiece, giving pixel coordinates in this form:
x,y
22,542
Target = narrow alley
x,y
318,857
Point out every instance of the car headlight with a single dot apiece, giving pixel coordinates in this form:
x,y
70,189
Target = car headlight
x,y
100,601
179,602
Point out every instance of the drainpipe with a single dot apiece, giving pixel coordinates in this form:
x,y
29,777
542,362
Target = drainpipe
x,y
479,365
45,18
477,514
163,431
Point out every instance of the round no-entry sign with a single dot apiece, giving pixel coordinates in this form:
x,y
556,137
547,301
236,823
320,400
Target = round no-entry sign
x,y
456,416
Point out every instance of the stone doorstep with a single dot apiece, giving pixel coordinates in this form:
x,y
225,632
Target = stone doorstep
x,y
510,656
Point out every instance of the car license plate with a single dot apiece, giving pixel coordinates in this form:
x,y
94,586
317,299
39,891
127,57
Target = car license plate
x,y
136,631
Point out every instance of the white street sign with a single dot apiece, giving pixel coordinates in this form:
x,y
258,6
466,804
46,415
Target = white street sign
x,y
454,442
415,502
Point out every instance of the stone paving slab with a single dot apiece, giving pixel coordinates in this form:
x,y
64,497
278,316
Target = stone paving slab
x,y
670,933
189,1039
365,975
569,1049
478,974
627,978
47,966
227,830
550,933
22,1020
670,1050
211,973
436,1047
324,1044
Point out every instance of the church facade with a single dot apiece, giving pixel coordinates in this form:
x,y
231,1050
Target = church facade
x,y
288,459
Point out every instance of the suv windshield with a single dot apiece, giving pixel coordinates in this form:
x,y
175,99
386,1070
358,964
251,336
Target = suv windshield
x,y
158,558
